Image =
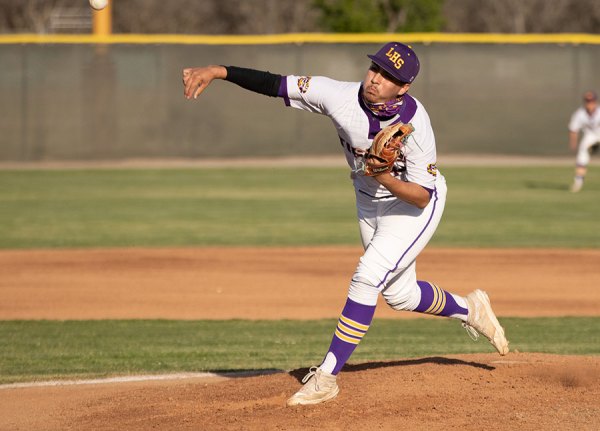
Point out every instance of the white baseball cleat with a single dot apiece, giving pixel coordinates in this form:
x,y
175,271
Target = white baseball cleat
x,y
319,387
482,320
576,186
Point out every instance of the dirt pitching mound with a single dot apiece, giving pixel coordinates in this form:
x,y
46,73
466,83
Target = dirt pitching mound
x,y
462,392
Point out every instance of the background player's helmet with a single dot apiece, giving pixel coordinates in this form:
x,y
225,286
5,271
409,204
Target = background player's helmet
x,y
398,60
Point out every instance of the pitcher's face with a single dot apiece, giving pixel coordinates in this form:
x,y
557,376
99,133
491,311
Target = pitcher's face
x,y
379,86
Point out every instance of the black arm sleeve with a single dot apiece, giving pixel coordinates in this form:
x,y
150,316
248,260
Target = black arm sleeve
x,y
254,80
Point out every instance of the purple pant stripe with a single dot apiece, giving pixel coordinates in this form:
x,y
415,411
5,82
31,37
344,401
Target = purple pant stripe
x,y
414,242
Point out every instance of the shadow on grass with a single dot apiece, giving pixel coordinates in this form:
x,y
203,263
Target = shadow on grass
x,y
299,373
539,185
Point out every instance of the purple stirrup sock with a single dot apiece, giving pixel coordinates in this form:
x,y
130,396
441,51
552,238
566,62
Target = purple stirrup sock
x,y
434,300
352,326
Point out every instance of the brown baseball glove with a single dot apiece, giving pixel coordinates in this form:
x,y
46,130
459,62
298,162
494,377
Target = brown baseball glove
x,y
386,148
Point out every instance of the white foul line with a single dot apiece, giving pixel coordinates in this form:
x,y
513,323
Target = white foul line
x,y
139,378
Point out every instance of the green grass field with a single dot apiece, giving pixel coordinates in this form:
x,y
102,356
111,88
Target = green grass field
x,y
487,207
41,350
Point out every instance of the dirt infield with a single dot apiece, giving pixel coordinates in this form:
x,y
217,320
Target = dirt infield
x,y
469,392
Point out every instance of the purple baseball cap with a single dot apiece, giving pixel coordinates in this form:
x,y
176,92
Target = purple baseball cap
x,y
398,60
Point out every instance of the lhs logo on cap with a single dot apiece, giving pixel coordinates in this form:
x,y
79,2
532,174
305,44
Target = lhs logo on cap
x,y
398,60
395,57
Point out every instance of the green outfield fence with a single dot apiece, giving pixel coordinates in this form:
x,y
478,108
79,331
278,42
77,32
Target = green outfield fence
x,y
85,97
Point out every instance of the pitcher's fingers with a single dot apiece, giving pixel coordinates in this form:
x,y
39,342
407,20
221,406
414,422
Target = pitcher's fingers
x,y
199,90
185,75
191,87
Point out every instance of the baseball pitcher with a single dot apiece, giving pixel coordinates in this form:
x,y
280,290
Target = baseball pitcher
x,y
389,144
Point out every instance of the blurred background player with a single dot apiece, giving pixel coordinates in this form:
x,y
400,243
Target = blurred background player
x,y
586,119
398,211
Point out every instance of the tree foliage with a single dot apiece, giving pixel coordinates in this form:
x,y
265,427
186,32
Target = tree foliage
x,y
391,16
349,16
287,16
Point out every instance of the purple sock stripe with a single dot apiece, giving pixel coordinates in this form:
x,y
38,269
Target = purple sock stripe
x,y
349,328
443,296
414,242
346,338
354,337
350,332
430,297
440,302
435,300
342,343
351,324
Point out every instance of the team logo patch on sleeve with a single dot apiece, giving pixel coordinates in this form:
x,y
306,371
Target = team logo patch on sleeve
x,y
303,83
432,169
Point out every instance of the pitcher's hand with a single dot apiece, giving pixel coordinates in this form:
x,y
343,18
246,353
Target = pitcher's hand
x,y
196,79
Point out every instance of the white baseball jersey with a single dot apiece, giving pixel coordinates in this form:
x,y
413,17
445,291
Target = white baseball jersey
x,y
357,125
581,121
